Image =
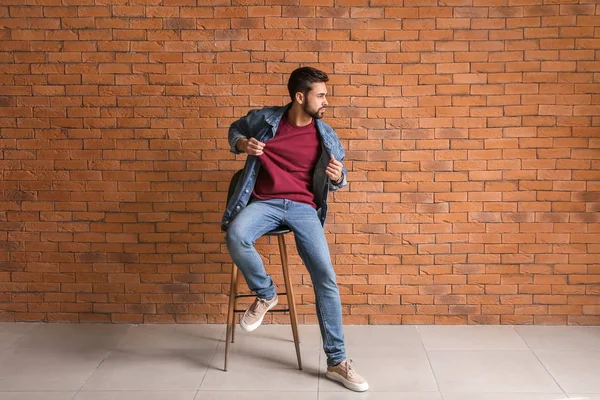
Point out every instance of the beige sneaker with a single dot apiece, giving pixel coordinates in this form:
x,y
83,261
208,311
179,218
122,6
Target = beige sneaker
x,y
254,315
345,374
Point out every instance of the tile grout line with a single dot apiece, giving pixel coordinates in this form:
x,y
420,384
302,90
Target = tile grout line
x,y
541,363
110,350
319,369
429,361
14,344
210,363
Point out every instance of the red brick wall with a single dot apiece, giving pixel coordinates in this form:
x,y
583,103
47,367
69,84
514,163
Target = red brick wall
x,y
472,137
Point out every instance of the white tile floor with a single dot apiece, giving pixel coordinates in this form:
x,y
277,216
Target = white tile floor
x,y
184,362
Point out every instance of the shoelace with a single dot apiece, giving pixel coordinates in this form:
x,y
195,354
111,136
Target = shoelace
x,y
258,305
349,368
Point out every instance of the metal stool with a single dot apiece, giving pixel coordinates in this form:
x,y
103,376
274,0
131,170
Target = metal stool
x,y
233,292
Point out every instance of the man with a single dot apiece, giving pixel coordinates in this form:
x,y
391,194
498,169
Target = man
x,y
294,159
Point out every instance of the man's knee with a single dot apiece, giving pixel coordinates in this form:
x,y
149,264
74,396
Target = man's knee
x,y
324,278
236,236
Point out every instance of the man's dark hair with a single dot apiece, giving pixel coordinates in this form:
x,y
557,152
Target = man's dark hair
x,y
301,80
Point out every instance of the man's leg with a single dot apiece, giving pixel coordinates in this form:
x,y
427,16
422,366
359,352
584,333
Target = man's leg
x,y
314,251
258,218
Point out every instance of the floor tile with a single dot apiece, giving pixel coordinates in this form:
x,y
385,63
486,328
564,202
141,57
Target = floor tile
x,y
81,336
151,369
25,369
591,396
505,396
255,395
490,371
404,370
172,336
471,337
269,335
561,337
575,371
37,395
349,395
275,355
263,367
386,339
11,332
136,395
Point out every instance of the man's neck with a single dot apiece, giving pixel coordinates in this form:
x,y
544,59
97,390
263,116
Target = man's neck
x,y
297,116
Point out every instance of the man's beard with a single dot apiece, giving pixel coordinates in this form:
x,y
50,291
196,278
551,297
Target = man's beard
x,y
313,114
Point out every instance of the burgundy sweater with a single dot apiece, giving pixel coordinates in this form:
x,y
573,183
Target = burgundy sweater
x,y
288,162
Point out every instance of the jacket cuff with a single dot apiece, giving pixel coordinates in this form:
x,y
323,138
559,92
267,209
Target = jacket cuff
x,y
233,143
338,185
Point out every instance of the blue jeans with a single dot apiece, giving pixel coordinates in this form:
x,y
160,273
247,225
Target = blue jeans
x,y
260,217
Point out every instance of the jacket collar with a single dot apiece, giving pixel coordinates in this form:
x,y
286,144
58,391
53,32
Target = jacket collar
x,y
275,118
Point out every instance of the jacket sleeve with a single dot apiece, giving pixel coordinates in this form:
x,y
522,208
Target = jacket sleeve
x,y
340,157
242,128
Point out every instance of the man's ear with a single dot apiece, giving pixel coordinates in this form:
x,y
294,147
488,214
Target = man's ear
x,y
299,97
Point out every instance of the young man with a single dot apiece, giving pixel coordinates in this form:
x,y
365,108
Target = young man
x,y
294,159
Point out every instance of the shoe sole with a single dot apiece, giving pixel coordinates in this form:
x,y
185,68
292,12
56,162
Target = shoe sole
x,y
249,328
357,387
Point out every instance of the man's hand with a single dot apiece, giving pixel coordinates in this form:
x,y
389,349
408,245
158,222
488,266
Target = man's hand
x,y
250,146
334,170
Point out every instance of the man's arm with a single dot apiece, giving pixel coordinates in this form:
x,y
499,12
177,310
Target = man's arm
x,y
336,173
333,186
241,131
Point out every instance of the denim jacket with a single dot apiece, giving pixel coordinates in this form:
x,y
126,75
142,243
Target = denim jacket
x,y
262,125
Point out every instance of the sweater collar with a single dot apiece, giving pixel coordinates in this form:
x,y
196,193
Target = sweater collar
x,y
276,117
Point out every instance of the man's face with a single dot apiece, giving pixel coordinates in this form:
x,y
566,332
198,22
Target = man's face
x,y
315,102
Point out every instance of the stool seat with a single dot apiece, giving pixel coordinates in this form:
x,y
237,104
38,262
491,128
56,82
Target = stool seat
x,y
281,230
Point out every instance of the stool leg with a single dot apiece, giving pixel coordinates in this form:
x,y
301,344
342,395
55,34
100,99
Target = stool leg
x,y
290,295
233,318
231,312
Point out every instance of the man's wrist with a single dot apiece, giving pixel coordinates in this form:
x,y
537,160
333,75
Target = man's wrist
x,y
339,181
240,145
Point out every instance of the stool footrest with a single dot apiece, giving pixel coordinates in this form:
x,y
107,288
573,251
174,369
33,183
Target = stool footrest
x,y
237,296
272,310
